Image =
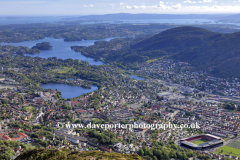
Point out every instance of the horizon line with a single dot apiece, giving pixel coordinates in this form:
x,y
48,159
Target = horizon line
x,y
67,15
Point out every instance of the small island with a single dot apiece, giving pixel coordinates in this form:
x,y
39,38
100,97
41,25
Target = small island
x,y
43,46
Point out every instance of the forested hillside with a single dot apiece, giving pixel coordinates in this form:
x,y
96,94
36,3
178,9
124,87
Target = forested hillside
x,y
201,48
66,154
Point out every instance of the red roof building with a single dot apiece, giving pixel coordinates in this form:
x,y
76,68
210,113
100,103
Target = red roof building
x,y
5,137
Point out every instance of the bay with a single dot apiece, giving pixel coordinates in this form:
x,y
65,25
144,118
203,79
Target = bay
x,y
61,49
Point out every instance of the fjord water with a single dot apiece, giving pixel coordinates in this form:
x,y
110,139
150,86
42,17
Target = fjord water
x,y
62,19
61,49
69,91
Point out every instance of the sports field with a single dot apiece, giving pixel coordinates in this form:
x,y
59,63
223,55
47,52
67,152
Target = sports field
x,y
33,145
228,150
200,141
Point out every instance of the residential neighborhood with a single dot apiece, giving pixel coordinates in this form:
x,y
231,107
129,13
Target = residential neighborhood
x,y
40,116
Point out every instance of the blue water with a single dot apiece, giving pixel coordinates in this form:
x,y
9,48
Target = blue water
x,y
146,21
136,77
61,49
29,20
56,19
69,91
170,21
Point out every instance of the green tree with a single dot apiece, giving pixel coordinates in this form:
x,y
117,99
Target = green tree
x,y
185,156
4,101
141,152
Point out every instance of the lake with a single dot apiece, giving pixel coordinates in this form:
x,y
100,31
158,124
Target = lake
x,y
69,91
61,49
136,77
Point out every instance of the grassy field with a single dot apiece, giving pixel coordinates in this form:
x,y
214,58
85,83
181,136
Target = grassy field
x,y
226,139
228,150
201,141
151,60
33,145
31,109
235,144
66,70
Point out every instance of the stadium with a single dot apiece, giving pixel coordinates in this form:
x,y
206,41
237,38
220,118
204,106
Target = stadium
x,y
201,142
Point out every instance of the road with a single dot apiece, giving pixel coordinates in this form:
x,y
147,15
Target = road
x,y
231,140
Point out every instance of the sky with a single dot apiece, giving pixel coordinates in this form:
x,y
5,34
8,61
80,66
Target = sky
x,y
93,7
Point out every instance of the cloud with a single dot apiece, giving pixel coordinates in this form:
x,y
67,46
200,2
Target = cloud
x,y
177,6
88,5
128,7
189,1
161,5
139,7
143,7
204,1
207,8
207,1
135,7
214,8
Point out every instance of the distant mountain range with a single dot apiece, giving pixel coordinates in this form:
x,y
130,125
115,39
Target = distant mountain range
x,y
233,18
201,48
136,18
120,16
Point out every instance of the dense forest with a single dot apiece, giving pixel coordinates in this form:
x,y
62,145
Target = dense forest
x,y
43,46
6,151
201,48
216,52
20,50
45,154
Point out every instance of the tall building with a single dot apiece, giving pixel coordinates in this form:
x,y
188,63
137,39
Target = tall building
x,y
40,93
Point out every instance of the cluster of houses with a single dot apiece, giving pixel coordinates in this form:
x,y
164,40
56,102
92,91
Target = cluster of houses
x,y
113,104
179,72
